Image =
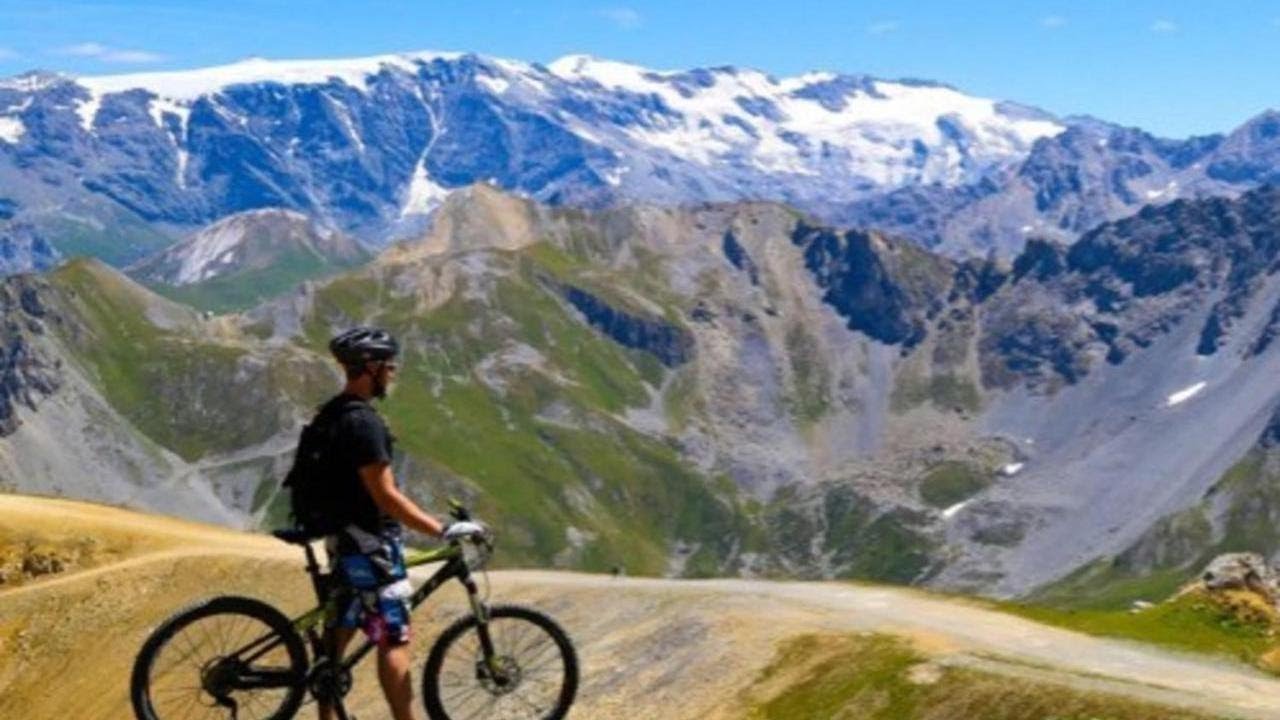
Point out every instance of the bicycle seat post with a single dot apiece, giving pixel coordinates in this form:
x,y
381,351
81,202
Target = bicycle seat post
x,y
317,579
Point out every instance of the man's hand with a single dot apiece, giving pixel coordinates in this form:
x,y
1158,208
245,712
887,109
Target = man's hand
x,y
464,529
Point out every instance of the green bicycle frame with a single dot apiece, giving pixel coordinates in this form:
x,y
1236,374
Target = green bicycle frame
x,y
312,623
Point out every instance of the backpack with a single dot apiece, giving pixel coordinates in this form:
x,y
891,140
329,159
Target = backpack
x,y
318,492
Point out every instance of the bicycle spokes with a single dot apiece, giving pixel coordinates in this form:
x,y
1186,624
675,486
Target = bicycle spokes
x,y
521,680
218,667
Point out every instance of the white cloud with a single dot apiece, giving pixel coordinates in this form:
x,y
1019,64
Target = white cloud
x,y
624,17
1164,26
883,27
1053,21
105,53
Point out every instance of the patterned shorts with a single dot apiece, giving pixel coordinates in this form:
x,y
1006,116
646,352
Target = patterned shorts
x,y
371,592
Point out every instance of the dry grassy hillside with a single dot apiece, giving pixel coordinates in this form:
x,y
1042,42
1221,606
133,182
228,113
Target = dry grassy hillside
x,y
650,649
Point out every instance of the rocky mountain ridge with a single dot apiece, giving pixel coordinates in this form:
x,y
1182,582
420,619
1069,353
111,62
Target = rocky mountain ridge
x,y
737,388
122,166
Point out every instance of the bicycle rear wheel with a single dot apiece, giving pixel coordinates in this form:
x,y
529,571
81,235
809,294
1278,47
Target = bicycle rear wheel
x,y
534,675
228,657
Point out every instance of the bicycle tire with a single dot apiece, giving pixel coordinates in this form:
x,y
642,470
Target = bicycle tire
x,y
141,681
440,651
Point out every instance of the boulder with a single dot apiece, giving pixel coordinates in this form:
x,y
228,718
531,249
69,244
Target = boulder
x,y
1242,571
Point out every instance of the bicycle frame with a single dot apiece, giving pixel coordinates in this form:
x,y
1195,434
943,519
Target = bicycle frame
x,y
311,624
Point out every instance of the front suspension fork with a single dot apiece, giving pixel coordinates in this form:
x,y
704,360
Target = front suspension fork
x,y
481,613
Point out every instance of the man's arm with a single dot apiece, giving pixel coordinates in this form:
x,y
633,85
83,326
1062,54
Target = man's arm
x,y
381,485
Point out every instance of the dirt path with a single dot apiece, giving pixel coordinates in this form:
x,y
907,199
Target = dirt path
x,y
954,632
650,648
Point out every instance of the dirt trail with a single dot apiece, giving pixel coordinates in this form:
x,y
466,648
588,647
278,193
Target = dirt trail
x,y
953,631
650,648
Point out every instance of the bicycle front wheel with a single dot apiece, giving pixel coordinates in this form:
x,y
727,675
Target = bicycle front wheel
x,y
532,676
228,657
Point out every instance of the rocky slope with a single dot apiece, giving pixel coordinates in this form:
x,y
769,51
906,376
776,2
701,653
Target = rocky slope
x,y
1069,183
722,389
247,258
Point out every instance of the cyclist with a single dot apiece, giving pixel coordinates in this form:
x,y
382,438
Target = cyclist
x,y
367,555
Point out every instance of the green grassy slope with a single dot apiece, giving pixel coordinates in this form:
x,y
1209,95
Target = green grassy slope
x,y
243,290
538,443
874,677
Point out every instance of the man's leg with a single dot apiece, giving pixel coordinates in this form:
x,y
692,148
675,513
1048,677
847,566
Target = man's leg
x,y
393,673
341,637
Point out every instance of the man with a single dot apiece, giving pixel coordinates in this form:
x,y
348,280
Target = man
x,y
367,555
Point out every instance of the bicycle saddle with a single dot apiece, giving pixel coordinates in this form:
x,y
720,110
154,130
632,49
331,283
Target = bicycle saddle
x,y
293,536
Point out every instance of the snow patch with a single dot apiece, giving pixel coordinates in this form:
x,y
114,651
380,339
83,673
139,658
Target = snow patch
x,y
1011,469
951,511
344,116
424,195
1185,394
191,84
88,110
1153,194
874,135
12,130
495,85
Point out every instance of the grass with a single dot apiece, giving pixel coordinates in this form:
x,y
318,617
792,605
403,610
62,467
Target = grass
x,y
173,383
1233,624
945,392
810,392
120,240
1179,545
487,434
874,677
243,290
862,540
952,481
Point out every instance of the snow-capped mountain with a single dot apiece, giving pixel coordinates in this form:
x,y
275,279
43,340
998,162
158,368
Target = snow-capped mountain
x,y
371,145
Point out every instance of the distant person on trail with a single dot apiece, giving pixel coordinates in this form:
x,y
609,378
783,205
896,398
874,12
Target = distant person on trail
x,y
366,555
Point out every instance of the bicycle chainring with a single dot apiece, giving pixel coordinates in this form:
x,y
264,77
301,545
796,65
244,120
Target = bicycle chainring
x,y
329,683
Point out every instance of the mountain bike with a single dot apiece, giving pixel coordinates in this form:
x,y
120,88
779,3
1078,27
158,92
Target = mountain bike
x,y
240,658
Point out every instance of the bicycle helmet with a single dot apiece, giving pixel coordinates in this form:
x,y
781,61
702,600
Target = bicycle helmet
x,y
363,344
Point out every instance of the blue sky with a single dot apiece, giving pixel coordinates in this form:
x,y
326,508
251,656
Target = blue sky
x,y
1175,67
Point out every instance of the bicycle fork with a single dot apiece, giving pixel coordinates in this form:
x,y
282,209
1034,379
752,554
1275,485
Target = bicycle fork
x,y
490,667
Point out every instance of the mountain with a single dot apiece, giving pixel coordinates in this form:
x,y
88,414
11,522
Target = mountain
x,y
731,388
369,146
122,166
1091,173
246,258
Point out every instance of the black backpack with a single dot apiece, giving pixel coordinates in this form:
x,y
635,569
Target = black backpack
x,y
318,489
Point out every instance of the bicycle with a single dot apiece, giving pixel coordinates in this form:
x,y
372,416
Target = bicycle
x,y
505,661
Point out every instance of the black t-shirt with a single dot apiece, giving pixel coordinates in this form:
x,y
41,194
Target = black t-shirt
x,y
361,438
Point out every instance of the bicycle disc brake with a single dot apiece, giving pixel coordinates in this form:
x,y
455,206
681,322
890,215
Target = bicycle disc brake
x,y
501,676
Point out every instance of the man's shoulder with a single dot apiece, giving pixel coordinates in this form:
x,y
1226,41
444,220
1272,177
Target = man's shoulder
x,y
351,411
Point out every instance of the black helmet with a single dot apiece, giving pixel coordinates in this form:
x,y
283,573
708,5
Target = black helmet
x,y
362,344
